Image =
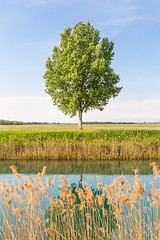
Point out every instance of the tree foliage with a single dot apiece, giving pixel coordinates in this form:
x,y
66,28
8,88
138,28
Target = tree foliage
x,y
79,76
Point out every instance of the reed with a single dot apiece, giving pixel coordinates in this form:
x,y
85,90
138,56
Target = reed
x,y
75,145
120,210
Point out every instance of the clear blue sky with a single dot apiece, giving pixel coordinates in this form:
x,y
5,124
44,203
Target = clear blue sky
x,y
30,28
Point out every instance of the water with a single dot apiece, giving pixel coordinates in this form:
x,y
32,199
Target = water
x,y
76,171
91,179
107,171
111,167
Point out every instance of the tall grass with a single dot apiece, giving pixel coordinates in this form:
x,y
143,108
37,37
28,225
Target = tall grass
x,y
121,210
75,145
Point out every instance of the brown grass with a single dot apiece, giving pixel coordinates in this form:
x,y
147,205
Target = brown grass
x,y
88,127
78,151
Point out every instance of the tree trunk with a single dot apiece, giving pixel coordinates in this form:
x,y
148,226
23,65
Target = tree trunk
x,y
80,120
80,181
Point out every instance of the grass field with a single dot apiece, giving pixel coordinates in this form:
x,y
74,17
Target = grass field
x,y
88,127
96,142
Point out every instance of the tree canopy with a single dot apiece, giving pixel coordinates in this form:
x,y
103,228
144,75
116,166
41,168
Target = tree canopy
x,y
79,76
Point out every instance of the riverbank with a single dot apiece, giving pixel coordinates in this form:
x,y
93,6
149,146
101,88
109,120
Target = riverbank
x,y
80,145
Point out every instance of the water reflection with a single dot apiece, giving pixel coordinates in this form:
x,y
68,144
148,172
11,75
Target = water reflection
x,y
75,172
69,167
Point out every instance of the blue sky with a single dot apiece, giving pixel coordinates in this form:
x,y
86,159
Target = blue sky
x,y
30,28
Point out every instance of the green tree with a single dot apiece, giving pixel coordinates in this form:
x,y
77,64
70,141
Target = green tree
x,y
79,76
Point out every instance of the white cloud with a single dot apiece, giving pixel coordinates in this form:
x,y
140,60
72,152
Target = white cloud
x,y
146,110
29,108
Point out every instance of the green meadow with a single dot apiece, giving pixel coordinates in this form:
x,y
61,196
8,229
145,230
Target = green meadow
x,y
121,210
95,142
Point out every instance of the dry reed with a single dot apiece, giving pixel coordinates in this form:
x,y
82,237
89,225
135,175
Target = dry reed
x,y
95,150
117,211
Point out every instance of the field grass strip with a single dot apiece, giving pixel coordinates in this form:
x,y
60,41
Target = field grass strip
x,y
76,145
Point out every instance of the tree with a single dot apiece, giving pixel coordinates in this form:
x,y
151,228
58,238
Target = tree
x,y
79,76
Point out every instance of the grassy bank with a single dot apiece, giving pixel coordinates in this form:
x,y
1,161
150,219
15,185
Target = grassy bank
x,y
80,145
121,210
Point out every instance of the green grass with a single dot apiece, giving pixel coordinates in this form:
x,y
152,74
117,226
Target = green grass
x,y
41,136
80,145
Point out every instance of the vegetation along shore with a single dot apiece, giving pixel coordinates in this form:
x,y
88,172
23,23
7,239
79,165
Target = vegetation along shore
x,y
104,143
121,210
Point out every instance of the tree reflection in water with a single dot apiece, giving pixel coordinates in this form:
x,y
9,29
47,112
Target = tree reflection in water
x,y
80,212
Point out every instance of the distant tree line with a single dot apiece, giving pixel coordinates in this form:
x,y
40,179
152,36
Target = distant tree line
x,y
109,122
7,122
95,122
